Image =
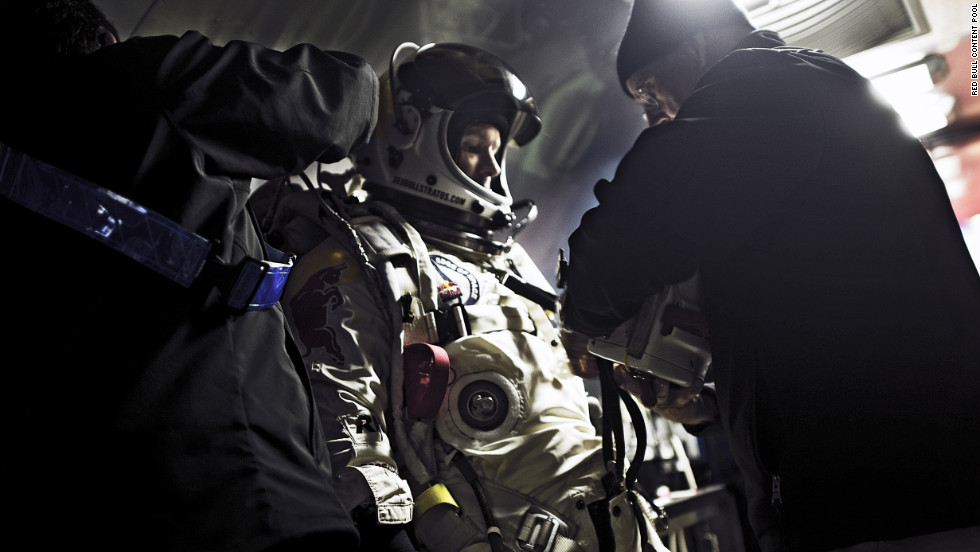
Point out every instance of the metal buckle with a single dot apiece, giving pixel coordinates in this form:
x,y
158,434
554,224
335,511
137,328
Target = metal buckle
x,y
539,530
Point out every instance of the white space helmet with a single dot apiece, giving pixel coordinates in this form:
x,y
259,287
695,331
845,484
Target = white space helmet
x,y
431,93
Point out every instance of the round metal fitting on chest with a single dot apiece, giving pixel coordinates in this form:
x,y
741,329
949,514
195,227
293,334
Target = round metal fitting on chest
x,y
483,405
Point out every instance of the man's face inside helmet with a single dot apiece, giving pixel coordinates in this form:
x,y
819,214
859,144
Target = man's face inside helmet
x,y
477,153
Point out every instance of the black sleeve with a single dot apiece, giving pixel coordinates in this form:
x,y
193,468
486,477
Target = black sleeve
x,y
257,112
689,192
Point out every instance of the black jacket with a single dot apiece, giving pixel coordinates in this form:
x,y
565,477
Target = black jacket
x,y
149,416
843,305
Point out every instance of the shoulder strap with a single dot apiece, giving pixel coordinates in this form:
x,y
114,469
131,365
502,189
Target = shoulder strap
x,y
139,233
399,230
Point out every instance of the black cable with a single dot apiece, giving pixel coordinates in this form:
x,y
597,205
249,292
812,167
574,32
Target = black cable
x,y
522,287
640,429
493,532
307,181
612,418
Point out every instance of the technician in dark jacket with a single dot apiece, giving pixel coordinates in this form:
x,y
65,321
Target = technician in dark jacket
x,y
843,305
143,415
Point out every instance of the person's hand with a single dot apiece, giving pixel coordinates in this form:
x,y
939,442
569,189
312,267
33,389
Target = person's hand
x,y
583,363
686,405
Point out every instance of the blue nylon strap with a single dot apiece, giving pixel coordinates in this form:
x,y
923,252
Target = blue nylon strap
x,y
145,236
258,284
133,230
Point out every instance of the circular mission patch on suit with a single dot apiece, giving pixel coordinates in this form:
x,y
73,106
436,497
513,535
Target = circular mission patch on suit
x,y
459,274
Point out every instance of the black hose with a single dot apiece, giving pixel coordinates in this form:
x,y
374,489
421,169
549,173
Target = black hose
x,y
493,532
640,429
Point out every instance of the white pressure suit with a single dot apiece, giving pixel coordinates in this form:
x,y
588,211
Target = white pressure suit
x,y
508,412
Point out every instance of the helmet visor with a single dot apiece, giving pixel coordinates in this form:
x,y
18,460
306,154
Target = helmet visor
x,y
458,77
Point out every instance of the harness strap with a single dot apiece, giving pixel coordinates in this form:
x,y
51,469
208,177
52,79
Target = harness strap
x,y
433,496
426,368
520,286
137,232
613,435
601,520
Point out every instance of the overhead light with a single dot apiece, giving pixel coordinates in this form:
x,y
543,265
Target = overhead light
x,y
912,92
